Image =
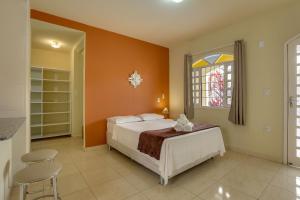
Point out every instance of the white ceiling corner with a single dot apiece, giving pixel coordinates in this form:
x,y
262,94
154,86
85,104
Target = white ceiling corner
x,y
158,21
42,33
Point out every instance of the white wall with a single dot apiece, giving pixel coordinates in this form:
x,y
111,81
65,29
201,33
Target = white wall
x,y
14,75
50,59
77,88
265,67
13,57
5,168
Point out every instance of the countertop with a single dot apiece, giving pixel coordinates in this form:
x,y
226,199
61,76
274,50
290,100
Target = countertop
x,y
9,126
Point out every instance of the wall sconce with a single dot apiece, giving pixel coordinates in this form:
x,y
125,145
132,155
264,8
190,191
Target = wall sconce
x,y
160,99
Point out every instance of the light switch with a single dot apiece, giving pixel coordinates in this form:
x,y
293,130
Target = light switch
x,y
261,44
267,92
268,129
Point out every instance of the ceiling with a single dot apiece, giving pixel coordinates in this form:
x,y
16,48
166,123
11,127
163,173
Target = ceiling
x,y
161,22
42,33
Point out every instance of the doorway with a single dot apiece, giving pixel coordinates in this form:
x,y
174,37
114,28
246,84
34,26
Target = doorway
x,y
293,102
57,82
78,88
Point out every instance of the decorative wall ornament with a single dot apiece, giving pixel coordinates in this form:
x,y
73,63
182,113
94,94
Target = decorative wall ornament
x,y
135,79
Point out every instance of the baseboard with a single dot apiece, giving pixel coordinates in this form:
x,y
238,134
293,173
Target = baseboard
x,y
76,136
98,147
10,191
254,154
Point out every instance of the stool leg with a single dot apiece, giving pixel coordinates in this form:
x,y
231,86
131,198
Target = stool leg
x,y
54,182
25,191
22,192
44,188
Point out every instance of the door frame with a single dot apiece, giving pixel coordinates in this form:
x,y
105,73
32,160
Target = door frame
x,y
286,99
28,92
83,38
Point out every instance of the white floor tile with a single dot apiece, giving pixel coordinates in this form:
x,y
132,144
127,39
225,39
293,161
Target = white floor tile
x,y
99,174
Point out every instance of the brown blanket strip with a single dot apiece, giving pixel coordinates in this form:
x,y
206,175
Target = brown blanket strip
x,y
150,142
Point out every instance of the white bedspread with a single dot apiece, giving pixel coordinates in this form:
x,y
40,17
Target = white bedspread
x,y
128,133
177,152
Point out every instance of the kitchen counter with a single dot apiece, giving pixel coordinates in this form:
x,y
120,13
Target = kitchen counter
x,y
10,126
13,144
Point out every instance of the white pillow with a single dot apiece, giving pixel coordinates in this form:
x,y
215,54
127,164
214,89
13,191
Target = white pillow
x,y
151,116
123,119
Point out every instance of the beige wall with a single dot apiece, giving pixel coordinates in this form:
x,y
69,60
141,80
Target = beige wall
x,y
77,87
265,68
13,58
14,83
50,59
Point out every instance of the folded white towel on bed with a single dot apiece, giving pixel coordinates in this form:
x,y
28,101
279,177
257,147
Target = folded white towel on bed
x,y
183,124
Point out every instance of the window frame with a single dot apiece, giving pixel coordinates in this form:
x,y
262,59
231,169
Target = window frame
x,y
226,89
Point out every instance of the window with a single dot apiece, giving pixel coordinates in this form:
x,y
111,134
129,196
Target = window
x,y
212,78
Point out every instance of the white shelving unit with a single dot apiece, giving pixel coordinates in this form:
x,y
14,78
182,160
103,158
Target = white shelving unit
x,y
50,103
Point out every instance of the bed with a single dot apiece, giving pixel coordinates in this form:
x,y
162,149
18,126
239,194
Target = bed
x,y
177,153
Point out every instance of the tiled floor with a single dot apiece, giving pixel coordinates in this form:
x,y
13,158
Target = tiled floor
x,y
100,174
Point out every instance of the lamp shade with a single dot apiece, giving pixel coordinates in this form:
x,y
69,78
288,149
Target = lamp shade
x,y
165,111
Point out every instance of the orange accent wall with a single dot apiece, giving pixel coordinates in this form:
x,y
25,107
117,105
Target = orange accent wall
x,y
110,59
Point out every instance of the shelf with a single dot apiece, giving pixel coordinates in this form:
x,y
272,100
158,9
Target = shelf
x,y
36,68
36,113
35,125
56,80
62,102
56,91
50,113
49,69
49,80
50,102
55,113
48,135
54,124
50,91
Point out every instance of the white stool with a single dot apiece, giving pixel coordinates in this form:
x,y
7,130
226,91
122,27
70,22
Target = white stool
x,y
38,172
40,156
